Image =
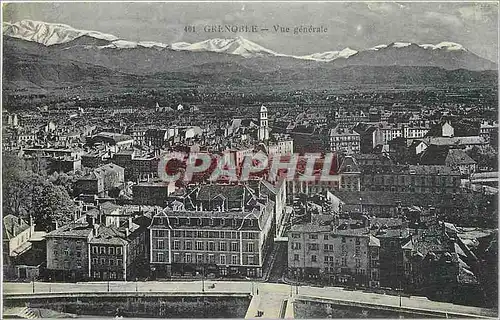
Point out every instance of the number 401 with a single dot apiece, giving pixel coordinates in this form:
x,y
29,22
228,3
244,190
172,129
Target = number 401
x,y
189,29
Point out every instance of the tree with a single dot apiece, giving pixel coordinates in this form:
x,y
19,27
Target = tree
x,y
51,204
26,193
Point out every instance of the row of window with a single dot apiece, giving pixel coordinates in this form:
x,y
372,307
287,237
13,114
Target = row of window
x,y
201,246
107,262
106,275
314,236
67,253
107,250
199,221
202,259
205,234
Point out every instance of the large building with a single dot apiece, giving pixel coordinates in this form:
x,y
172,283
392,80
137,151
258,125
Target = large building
x,y
410,178
107,243
344,140
223,230
333,254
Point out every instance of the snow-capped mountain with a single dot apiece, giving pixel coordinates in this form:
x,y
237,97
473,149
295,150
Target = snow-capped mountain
x,y
238,46
49,33
329,55
446,45
120,54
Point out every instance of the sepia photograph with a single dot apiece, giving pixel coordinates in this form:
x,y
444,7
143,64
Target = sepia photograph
x,y
247,160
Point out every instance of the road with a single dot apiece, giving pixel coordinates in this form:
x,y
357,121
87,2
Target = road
x,y
263,289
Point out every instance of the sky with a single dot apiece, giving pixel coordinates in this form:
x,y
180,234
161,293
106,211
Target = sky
x,y
357,25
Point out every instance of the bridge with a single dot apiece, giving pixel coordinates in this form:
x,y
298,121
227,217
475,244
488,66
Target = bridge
x,y
268,300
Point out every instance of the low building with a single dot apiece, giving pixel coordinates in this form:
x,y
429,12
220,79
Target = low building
x,y
438,264
101,180
16,235
152,193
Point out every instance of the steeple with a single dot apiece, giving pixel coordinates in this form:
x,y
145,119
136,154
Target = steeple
x,y
263,134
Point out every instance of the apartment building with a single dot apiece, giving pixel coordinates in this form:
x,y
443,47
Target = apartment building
x,y
344,140
333,255
410,178
218,230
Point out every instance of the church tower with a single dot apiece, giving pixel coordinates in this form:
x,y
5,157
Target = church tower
x,y
263,134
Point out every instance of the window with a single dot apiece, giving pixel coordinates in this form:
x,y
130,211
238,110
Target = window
x,y
313,236
119,262
78,254
111,250
234,259
234,246
296,245
313,246
358,241
119,251
160,257
188,257
344,262
296,257
111,262
97,274
160,244
159,233
250,247
251,260
66,252
102,250
211,246
343,239
222,246
223,259
358,263
295,235
95,250
313,258
177,257
188,245
326,237
199,245
94,261
177,244
325,247
211,258
358,250
199,258
103,261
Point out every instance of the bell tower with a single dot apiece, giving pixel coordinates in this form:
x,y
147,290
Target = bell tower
x,y
263,134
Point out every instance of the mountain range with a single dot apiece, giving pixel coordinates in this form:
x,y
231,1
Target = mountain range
x,y
42,54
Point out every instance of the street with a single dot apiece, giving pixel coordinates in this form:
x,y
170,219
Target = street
x,y
264,289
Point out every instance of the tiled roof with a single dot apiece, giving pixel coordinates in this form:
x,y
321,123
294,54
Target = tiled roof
x,y
12,226
72,230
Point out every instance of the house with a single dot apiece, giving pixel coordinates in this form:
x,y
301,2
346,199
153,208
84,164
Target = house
x,y
16,240
101,181
455,158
